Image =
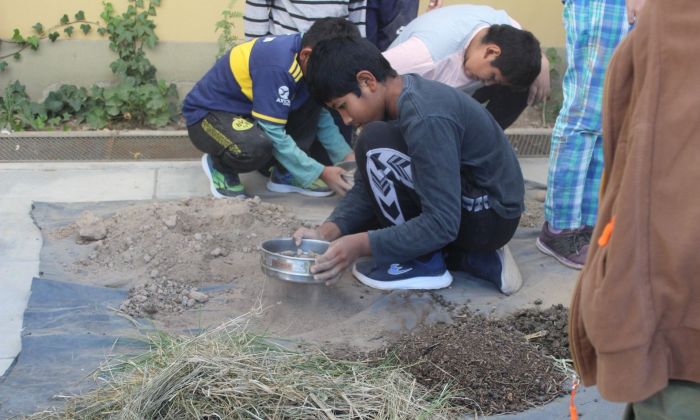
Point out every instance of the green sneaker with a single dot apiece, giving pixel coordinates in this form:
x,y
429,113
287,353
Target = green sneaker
x,y
284,182
221,185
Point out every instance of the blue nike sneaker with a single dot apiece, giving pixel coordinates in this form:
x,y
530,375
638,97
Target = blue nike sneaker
x,y
497,267
426,273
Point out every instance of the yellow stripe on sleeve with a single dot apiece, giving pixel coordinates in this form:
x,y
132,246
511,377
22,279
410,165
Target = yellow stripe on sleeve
x,y
295,65
268,118
239,60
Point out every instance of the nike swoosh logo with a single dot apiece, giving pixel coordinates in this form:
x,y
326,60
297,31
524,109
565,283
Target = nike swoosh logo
x,y
396,269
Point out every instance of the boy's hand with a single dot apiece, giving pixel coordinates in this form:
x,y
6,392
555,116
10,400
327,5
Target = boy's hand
x,y
633,9
305,233
539,89
328,231
332,176
434,4
342,253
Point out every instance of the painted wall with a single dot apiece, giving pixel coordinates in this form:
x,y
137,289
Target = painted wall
x,y
177,20
189,21
186,29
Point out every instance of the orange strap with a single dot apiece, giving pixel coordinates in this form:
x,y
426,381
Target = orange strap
x,y
607,233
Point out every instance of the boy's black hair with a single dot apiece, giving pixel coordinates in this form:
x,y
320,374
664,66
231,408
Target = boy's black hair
x,y
327,28
520,59
334,64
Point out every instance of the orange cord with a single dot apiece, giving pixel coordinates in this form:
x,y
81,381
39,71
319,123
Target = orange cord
x,y
607,233
572,404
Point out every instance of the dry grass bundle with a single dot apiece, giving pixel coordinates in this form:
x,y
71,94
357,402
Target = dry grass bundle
x,y
228,373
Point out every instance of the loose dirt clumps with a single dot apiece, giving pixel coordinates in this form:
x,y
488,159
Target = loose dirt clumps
x,y
493,370
161,296
546,329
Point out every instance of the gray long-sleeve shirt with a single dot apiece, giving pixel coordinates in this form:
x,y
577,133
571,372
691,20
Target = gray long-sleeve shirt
x,y
446,132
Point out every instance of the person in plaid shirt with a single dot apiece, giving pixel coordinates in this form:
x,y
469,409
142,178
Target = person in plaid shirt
x,y
594,28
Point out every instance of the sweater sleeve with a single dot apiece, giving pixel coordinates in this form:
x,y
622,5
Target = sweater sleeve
x,y
330,137
256,18
434,147
355,212
304,168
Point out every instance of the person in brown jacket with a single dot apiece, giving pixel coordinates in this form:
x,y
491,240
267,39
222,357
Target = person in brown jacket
x,y
635,315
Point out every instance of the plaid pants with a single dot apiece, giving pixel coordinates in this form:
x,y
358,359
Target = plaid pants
x,y
593,30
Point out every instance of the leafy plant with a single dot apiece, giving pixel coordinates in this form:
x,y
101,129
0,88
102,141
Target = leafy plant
x,y
21,42
551,105
15,108
128,34
137,97
227,38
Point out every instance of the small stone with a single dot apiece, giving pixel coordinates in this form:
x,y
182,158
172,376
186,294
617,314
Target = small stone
x,y
216,252
140,298
198,236
154,273
91,227
198,296
147,257
150,308
170,221
190,303
257,200
538,302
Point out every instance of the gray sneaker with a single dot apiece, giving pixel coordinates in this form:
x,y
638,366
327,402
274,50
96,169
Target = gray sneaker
x,y
569,247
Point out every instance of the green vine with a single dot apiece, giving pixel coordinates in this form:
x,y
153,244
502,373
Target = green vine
x,y
137,98
21,42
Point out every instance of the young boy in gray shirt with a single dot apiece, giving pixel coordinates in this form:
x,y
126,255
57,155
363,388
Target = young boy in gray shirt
x,y
435,173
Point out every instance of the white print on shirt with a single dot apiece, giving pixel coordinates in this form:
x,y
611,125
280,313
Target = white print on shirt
x,y
384,167
283,96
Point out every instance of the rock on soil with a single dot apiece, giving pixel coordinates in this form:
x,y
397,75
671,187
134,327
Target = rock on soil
x,y
90,227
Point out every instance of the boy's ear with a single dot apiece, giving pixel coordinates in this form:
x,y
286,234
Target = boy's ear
x,y
305,53
366,78
491,52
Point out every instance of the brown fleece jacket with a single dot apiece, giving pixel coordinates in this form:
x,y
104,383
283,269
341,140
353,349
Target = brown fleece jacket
x,y
635,316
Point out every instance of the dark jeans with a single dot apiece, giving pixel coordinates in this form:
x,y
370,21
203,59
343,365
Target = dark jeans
x,y
237,144
503,102
481,229
385,18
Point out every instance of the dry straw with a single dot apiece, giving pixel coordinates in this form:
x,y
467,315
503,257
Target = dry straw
x,y
229,373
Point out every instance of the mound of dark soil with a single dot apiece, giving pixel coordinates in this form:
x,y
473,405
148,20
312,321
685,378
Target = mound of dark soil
x,y
493,369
